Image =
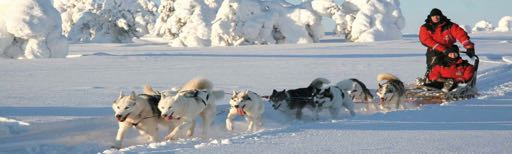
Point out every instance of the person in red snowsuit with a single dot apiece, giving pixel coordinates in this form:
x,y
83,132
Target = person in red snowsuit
x,y
454,69
439,35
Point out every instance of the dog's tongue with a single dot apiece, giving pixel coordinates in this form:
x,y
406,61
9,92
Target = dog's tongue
x,y
168,118
240,111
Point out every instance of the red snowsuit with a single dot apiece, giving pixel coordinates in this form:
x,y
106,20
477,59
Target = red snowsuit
x,y
460,71
443,36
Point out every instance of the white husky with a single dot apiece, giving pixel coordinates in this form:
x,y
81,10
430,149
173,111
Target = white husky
x,y
249,105
391,92
333,98
195,98
138,111
358,92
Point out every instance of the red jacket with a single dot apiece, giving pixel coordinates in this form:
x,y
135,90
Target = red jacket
x,y
460,71
443,36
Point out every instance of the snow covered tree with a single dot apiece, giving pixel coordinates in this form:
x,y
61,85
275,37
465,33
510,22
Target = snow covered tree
x,y
31,29
505,24
372,20
466,28
327,8
186,22
162,27
483,26
241,22
71,11
116,21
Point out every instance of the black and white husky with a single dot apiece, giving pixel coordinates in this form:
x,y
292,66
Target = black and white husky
x,y
138,111
391,92
357,91
295,100
333,98
195,98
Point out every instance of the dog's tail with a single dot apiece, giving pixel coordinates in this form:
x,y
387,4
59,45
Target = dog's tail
x,y
386,76
148,90
319,82
367,94
218,94
197,83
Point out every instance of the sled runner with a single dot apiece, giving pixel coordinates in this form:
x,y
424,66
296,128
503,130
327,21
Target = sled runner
x,y
422,94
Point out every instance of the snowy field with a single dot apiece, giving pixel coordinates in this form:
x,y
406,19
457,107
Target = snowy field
x,y
64,105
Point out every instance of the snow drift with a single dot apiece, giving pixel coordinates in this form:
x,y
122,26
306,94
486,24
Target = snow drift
x,y
373,20
31,29
505,24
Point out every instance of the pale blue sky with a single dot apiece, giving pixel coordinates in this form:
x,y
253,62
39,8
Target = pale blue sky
x,y
463,12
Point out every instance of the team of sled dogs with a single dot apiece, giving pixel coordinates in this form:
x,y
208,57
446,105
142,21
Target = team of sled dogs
x,y
178,109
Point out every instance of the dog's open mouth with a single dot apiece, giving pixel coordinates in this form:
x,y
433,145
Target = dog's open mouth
x,y
382,100
241,111
170,117
122,119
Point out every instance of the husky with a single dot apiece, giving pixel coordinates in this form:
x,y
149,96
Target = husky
x,y
297,99
391,92
139,111
249,105
357,91
333,98
195,98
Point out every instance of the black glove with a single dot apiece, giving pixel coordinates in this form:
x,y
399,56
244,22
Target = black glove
x,y
470,52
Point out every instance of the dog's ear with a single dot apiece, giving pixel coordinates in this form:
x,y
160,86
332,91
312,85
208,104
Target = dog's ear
x,y
284,90
274,91
380,86
235,92
132,95
120,95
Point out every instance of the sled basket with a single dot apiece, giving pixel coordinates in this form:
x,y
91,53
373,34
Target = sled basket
x,y
429,95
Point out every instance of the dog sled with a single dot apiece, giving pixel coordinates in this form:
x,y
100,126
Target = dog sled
x,y
421,94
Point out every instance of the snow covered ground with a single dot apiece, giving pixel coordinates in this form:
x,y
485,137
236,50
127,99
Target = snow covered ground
x,y
63,105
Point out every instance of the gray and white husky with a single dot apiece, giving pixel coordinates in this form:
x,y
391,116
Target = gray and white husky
x,y
195,98
358,92
391,92
138,111
247,104
289,101
333,98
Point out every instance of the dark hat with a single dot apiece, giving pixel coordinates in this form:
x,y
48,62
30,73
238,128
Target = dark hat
x,y
436,12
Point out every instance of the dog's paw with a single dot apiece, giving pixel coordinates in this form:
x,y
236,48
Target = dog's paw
x,y
229,125
170,137
115,147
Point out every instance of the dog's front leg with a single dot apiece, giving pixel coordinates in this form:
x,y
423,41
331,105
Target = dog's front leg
x,y
190,131
250,120
178,131
120,135
229,119
149,128
298,114
349,105
317,112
